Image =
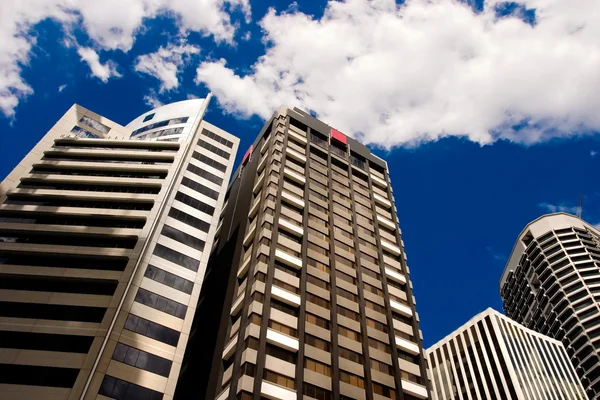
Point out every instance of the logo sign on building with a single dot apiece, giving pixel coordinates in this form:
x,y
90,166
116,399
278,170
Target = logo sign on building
x,y
247,155
339,136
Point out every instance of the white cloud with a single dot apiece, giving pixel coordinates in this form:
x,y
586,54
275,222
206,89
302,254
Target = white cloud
x,y
101,71
401,74
61,88
593,153
152,100
166,63
554,208
110,24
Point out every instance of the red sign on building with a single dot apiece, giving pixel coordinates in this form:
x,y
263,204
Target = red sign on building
x,y
339,136
247,155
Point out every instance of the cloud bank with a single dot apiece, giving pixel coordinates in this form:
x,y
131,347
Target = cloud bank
x,y
110,25
393,74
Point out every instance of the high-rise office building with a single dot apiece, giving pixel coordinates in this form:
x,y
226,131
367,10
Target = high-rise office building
x,y
551,284
308,283
105,233
493,357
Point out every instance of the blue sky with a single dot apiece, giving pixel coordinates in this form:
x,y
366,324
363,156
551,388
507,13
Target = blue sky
x,y
486,112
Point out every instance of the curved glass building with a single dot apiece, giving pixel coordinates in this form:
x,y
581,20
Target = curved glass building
x,y
170,123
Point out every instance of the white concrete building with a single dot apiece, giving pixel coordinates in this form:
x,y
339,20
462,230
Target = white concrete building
x,y
105,233
493,357
551,284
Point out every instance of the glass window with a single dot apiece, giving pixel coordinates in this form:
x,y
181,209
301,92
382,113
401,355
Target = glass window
x,y
160,303
317,300
209,161
141,359
217,138
213,148
176,257
202,173
352,379
197,204
198,187
316,392
318,321
316,342
100,127
317,367
278,379
121,390
350,355
189,220
183,237
349,333
152,330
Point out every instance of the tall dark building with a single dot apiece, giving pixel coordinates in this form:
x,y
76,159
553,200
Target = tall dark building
x,y
551,284
307,284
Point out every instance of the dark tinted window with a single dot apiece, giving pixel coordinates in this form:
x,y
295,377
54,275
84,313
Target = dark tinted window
x,y
217,138
160,303
141,359
192,202
213,194
204,174
189,220
169,279
183,237
209,161
176,257
213,148
152,330
122,390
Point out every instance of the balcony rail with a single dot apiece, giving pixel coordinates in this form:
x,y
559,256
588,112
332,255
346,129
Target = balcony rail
x,y
318,141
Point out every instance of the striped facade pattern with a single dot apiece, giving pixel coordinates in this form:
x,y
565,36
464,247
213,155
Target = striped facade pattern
x,y
103,245
551,284
322,306
493,357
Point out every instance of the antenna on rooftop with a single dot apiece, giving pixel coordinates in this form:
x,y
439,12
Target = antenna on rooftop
x,y
580,205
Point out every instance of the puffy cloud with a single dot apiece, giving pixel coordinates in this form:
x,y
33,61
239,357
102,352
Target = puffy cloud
x,y
110,24
101,71
166,63
151,99
394,74
61,88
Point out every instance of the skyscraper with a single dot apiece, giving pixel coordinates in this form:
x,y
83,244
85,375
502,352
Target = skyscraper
x,y
551,285
493,357
105,232
308,283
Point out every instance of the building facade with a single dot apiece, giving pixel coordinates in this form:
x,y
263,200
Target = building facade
x,y
493,357
105,234
551,284
311,294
